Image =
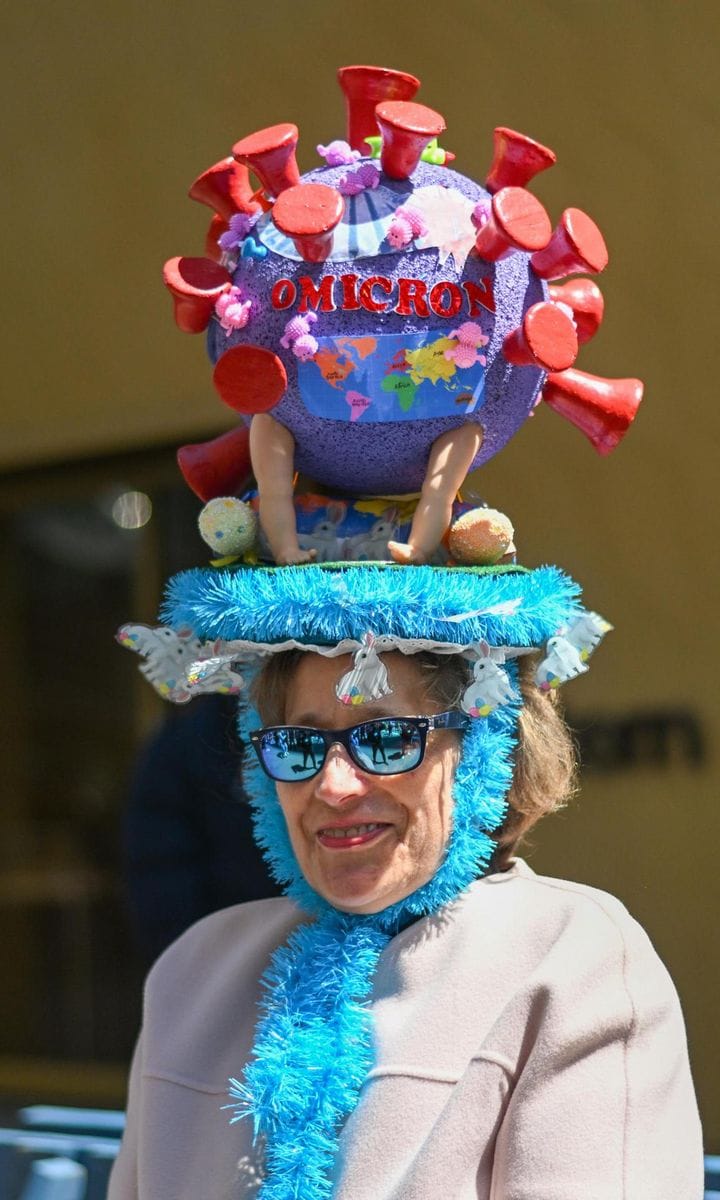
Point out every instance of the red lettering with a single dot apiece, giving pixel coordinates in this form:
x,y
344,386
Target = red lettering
x,y
412,298
445,298
283,293
369,303
479,296
320,296
452,306
349,300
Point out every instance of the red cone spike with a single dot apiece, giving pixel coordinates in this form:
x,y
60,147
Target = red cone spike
x,y
250,379
270,154
546,339
308,213
364,87
576,245
584,297
406,130
226,188
517,221
517,160
602,408
195,284
216,227
220,467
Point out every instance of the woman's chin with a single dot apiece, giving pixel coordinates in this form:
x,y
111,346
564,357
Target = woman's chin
x,y
358,891
366,887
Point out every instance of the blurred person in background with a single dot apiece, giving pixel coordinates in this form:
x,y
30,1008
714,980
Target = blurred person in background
x,y
188,843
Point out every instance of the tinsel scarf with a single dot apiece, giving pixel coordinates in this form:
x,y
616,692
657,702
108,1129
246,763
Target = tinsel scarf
x,y
312,1051
313,1045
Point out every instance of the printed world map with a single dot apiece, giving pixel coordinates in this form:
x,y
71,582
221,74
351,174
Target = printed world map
x,y
396,377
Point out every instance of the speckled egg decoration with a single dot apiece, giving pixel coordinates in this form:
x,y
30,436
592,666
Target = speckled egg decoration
x,y
228,526
480,537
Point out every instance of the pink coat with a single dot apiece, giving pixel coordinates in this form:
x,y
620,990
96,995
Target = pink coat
x,y
529,1046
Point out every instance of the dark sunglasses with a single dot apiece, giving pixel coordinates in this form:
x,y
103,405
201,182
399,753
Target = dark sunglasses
x,y
386,746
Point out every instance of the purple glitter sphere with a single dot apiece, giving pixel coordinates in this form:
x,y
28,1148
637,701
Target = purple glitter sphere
x,y
384,383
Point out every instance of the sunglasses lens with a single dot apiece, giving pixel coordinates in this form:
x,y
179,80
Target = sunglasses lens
x,y
292,754
387,747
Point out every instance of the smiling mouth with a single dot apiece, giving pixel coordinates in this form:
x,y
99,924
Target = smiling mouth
x,y
351,835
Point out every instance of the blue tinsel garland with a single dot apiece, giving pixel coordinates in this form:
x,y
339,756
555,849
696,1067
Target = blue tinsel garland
x,y
321,605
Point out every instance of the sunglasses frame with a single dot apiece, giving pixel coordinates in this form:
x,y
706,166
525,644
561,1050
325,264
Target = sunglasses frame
x,y
452,719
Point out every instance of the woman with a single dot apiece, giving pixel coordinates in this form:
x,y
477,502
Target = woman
x,y
435,1020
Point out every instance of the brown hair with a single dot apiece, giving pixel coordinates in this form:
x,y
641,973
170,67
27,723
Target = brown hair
x,y
545,761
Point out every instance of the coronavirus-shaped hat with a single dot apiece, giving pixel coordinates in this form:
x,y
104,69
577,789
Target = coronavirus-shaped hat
x,y
383,297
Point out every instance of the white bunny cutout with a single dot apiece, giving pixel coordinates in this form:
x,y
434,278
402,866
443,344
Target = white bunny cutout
x,y
368,679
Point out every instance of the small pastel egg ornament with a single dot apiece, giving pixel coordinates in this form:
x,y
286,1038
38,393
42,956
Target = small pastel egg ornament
x,y
228,525
480,537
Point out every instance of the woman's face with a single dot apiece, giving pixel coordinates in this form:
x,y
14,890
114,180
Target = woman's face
x,y
359,869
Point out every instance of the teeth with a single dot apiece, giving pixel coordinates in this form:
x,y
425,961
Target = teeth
x,y
351,831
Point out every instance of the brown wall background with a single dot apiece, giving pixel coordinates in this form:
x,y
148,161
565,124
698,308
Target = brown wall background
x,y
110,110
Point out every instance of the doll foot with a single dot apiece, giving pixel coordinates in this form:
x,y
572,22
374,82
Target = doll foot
x,y
293,556
403,552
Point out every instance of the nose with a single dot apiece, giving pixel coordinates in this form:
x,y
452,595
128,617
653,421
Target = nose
x,y
339,780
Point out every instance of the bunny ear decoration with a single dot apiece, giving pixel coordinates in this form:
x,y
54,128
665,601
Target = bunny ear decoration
x,y
368,679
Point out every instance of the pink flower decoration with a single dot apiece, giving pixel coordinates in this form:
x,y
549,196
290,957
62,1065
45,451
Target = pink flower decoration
x,y
298,327
239,227
232,311
407,223
480,215
338,154
363,179
305,347
415,220
470,333
469,336
399,232
462,355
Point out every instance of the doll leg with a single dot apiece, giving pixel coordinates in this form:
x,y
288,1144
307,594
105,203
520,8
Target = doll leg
x,y
272,452
450,458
